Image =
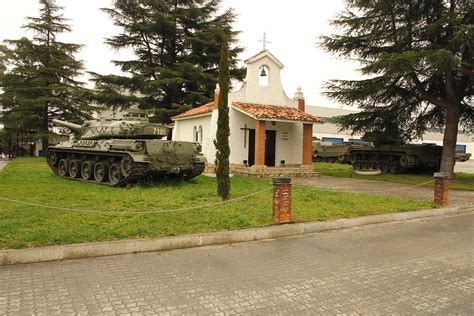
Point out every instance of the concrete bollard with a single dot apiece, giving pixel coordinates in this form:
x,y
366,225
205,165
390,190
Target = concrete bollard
x,y
441,189
282,200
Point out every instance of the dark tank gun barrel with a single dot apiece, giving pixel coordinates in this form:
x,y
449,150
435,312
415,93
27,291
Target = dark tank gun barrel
x,y
71,126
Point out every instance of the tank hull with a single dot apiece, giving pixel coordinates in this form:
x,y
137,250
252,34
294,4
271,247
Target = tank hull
x,y
398,158
336,152
118,162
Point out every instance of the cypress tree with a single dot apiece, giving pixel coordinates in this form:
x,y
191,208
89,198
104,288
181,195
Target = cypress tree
x,y
176,56
222,136
417,58
39,83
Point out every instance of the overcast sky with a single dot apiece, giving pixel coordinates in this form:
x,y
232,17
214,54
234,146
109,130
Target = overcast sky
x,y
292,26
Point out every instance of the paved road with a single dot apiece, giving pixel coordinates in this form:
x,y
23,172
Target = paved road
x,y
404,268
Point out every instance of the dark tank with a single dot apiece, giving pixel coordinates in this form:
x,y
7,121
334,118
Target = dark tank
x,y
117,152
415,158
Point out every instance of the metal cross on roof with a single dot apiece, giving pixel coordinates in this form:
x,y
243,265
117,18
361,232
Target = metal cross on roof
x,y
264,41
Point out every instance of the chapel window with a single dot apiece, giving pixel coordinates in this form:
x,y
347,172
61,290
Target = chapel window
x,y
195,134
200,133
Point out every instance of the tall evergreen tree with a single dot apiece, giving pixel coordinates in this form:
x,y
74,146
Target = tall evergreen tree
x,y
40,82
223,131
176,54
417,57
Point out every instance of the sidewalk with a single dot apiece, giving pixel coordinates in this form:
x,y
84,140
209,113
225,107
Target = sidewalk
x,y
128,246
406,268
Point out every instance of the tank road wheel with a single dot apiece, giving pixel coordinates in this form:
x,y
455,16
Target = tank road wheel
x,y
52,158
394,167
126,166
385,166
63,167
115,174
403,161
75,168
100,171
87,170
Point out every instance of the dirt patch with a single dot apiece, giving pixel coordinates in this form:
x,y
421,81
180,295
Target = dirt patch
x,y
3,163
404,191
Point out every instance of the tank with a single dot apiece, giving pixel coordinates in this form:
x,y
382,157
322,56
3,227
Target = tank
x,y
117,152
462,156
414,158
335,152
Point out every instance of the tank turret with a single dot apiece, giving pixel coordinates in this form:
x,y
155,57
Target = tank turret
x,y
133,125
122,151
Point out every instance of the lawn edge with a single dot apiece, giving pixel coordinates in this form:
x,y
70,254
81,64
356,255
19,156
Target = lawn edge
x,y
128,246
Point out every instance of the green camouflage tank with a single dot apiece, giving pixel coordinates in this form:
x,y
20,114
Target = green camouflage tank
x,y
122,151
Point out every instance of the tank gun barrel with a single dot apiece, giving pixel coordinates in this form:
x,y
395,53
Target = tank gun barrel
x,y
72,126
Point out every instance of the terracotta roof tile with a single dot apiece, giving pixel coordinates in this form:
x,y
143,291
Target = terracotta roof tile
x,y
269,112
203,109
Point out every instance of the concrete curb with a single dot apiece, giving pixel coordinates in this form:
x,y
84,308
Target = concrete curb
x,y
110,248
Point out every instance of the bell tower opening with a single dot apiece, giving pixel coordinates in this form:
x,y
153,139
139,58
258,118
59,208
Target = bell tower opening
x,y
263,73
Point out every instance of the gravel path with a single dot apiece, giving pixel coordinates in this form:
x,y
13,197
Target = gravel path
x,y
405,191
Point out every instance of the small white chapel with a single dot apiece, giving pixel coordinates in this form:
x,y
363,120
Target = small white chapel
x,y
270,133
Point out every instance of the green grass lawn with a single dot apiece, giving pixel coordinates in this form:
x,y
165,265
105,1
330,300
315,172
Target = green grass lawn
x,y
462,181
116,213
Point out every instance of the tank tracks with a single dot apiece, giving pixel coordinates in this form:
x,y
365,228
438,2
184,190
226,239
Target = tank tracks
x,y
112,169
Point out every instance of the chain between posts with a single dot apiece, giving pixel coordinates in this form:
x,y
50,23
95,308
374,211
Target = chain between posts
x,y
194,207
368,192
132,213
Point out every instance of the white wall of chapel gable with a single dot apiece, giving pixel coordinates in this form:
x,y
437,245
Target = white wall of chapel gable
x,y
252,92
184,131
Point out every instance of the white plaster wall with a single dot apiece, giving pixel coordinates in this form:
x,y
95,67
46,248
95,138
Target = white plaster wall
x,y
209,149
183,131
237,120
289,150
252,92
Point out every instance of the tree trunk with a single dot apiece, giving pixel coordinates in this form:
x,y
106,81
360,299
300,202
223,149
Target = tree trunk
x,y
450,139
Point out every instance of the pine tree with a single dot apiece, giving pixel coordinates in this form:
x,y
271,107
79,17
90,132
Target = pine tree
x,y
222,136
417,58
40,83
176,54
